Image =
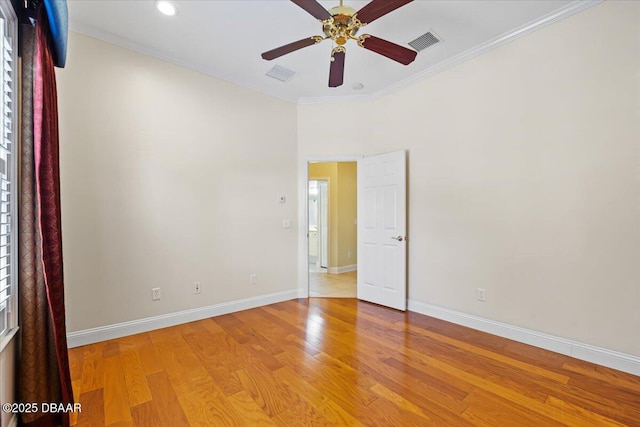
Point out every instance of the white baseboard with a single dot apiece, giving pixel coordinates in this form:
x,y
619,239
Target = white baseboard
x,y
590,353
103,333
343,269
601,356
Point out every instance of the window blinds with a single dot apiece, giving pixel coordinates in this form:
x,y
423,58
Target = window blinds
x,y
6,184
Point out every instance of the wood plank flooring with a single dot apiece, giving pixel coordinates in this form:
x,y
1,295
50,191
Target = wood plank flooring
x,y
323,284
340,362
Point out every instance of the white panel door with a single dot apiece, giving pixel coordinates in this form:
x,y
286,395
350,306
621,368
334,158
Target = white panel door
x,y
382,221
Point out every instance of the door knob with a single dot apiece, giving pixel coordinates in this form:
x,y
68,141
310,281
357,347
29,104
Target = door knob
x,y
399,238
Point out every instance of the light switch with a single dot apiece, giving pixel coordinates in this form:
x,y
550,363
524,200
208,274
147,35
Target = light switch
x,y
286,223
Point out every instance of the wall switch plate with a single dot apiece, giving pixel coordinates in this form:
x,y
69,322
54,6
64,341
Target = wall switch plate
x,y
155,294
481,294
196,287
254,278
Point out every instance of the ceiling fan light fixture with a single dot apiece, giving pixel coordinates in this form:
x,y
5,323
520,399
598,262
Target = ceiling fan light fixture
x,y
166,8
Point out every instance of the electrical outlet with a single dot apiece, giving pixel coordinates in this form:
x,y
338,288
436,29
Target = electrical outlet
x,y
481,294
155,294
196,287
254,278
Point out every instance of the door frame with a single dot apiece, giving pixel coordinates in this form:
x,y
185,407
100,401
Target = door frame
x,y
303,215
328,213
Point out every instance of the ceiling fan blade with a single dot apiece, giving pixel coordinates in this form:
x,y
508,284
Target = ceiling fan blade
x,y
377,8
313,8
336,70
288,48
386,48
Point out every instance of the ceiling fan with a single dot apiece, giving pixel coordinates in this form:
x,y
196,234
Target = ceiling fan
x,y
340,24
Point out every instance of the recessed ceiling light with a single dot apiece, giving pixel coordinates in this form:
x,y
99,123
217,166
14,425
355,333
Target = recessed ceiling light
x,y
166,8
357,86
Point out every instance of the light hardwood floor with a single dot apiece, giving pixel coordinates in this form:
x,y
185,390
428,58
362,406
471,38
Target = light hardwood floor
x,y
333,285
340,362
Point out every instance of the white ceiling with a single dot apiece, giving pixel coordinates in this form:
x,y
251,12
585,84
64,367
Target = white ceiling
x,y
225,38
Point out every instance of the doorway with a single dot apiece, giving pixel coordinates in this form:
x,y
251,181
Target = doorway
x,y
332,229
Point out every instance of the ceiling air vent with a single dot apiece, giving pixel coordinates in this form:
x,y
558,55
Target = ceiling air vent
x,y
424,41
281,73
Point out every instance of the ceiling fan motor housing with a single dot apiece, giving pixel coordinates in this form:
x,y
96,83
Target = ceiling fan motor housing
x,y
342,26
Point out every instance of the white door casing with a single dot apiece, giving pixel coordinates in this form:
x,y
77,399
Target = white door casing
x,y
323,230
382,220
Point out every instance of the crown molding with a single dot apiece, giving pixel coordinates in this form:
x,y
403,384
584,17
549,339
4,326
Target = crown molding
x,y
558,15
123,42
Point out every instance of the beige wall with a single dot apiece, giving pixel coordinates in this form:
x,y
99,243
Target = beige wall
x,y
523,177
523,180
342,209
169,177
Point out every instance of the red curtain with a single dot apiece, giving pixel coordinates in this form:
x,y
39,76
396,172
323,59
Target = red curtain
x,y
44,364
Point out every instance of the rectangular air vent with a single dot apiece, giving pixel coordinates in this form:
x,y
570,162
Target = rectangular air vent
x,y
280,73
424,41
